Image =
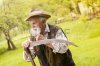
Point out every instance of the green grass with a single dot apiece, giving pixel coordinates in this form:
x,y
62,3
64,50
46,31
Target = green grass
x,y
14,57
85,34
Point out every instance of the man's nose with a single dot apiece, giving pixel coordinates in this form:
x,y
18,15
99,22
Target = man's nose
x,y
35,25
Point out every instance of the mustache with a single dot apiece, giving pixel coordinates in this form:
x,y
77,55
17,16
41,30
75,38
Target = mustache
x,y
35,31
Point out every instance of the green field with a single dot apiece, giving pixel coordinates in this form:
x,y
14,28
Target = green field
x,y
84,34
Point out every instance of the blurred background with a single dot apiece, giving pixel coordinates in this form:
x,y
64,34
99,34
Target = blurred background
x,y
80,20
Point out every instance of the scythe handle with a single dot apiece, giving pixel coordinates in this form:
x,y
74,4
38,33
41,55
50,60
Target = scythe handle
x,y
30,56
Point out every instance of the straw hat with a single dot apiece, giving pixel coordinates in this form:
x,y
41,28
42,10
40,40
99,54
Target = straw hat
x,y
37,13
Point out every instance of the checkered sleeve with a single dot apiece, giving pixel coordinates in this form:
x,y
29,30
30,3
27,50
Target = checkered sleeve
x,y
60,47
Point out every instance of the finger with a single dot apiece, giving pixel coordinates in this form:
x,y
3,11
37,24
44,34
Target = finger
x,y
27,45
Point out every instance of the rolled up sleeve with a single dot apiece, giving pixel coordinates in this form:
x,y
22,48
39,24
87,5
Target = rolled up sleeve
x,y
60,47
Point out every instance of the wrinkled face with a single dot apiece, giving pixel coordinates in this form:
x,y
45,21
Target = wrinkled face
x,y
37,22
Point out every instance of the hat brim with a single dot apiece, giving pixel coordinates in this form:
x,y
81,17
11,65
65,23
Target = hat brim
x,y
37,15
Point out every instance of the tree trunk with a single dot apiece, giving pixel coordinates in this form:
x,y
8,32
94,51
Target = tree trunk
x,y
9,41
9,47
12,44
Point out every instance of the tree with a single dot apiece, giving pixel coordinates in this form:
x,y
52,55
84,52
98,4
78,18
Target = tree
x,y
13,13
6,24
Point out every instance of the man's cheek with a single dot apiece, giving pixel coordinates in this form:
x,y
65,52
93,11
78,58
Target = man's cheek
x,y
41,25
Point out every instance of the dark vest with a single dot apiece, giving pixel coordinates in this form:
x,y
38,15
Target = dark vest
x,y
48,58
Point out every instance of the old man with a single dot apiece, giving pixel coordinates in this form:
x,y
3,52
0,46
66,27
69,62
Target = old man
x,y
51,54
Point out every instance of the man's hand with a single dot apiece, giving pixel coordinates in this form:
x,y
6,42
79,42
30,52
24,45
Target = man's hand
x,y
40,37
26,44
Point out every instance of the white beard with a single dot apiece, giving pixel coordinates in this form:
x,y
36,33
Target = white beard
x,y
35,31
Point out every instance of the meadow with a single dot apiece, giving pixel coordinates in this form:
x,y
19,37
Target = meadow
x,y
85,34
